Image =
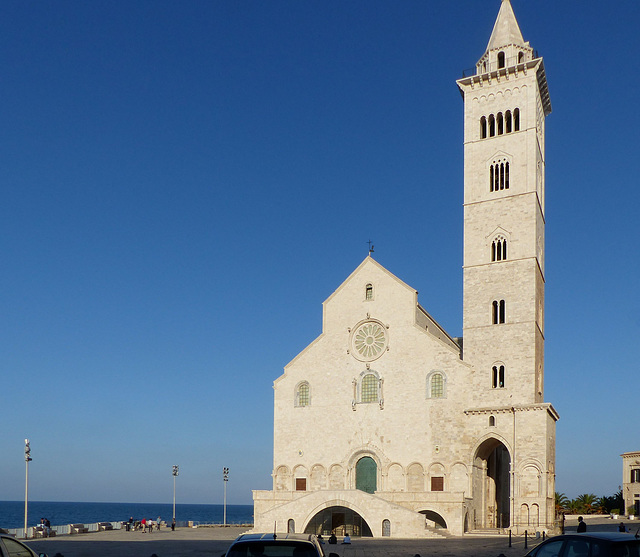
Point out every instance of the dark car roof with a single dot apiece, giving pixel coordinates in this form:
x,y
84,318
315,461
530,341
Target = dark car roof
x,y
274,536
608,536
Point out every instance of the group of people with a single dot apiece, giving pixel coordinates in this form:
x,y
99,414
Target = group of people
x,y
46,527
333,539
146,524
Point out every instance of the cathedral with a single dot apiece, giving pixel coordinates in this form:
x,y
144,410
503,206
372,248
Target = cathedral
x,y
431,433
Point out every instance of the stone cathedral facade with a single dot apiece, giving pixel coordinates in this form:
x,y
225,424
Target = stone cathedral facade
x,y
387,426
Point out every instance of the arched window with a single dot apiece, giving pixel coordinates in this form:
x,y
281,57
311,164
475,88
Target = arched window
x,y
492,126
369,388
500,123
497,377
516,120
498,312
386,528
499,175
483,128
303,394
501,60
492,421
499,249
520,57
436,383
291,526
368,293
507,121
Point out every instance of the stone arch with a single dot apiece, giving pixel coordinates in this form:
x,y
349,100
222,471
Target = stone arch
x,y
282,479
318,477
491,483
395,477
433,519
415,477
337,517
529,481
524,515
459,479
436,477
300,478
336,477
371,452
534,515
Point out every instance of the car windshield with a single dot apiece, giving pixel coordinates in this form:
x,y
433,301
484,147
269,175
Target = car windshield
x,y
272,549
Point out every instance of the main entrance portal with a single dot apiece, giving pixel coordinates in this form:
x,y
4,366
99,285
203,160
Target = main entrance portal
x,y
366,475
492,485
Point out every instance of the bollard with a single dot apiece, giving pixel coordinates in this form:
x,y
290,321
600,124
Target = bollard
x,y
525,539
509,538
543,533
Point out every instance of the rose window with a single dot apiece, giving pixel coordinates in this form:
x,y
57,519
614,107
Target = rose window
x,y
369,341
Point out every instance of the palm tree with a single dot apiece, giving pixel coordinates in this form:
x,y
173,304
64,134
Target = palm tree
x,y
562,503
587,502
574,507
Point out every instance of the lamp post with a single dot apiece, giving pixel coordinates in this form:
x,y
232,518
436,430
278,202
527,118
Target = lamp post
x,y
225,477
27,459
176,471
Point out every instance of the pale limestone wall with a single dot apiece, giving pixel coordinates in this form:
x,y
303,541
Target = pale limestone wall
x,y
301,507
330,371
412,437
630,491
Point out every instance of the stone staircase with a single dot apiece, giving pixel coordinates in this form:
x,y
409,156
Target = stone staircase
x,y
436,533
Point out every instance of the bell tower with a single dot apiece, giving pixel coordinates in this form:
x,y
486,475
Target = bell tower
x,y
506,101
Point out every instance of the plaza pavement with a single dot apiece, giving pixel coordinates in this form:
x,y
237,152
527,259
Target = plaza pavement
x,y
214,541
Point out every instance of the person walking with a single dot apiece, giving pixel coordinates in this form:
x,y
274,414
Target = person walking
x,y
582,525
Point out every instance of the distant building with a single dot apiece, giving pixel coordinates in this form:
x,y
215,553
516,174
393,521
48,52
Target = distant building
x,y
631,482
385,425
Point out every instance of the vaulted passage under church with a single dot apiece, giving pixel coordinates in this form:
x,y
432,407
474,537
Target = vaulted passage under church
x,y
338,521
491,484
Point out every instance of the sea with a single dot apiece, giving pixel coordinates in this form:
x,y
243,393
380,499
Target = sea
x,y
60,513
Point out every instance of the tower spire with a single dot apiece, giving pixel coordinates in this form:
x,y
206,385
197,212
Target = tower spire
x,y
506,46
506,30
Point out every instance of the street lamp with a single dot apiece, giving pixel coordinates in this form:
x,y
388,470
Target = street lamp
x,y
176,471
27,460
225,477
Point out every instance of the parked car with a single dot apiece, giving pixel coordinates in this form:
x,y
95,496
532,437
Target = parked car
x,y
276,545
589,544
10,547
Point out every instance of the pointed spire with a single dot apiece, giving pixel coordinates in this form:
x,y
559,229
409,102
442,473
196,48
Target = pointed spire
x,y
506,30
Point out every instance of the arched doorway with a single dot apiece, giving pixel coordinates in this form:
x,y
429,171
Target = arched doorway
x,y
433,519
339,521
492,485
366,474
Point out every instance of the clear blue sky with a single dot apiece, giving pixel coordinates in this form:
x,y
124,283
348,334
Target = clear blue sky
x,y
184,183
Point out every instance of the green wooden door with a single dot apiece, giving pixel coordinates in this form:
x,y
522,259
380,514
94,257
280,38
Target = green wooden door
x,y
366,475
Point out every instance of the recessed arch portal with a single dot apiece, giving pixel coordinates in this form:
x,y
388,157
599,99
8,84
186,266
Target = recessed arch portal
x,y
491,484
339,521
366,475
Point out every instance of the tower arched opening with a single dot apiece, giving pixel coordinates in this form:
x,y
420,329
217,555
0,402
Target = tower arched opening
x,y
492,485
